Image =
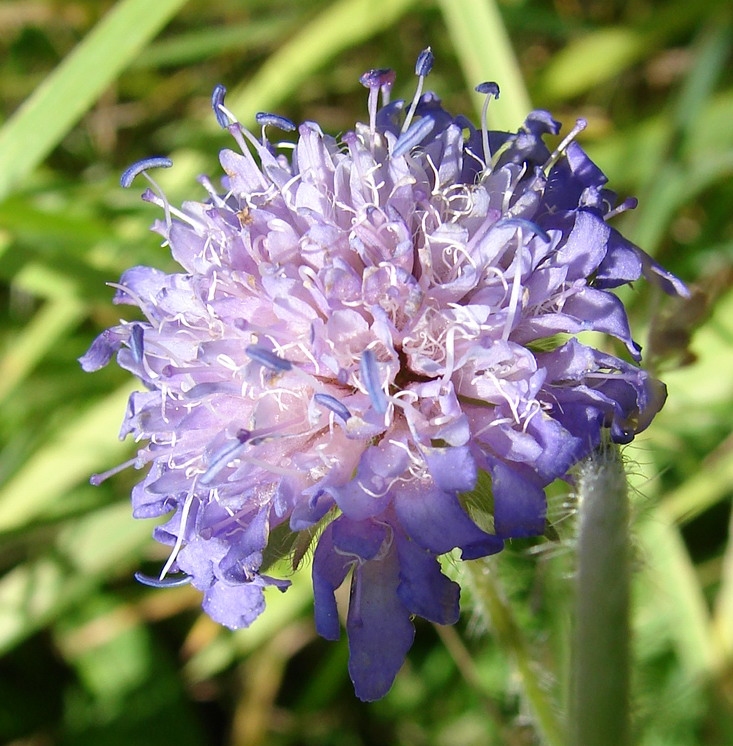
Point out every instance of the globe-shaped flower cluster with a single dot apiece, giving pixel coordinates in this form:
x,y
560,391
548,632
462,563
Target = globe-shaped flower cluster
x,y
360,328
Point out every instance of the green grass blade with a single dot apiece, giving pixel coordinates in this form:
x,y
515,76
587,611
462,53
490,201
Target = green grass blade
x,y
223,650
203,43
723,611
342,25
598,56
630,155
64,461
55,106
591,60
500,616
701,490
50,324
674,181
87,550
711,57
485,53
670,575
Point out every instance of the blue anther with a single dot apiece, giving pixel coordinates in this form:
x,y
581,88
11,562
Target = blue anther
x,y
526,225
539,122
377,78
267,358
172,582
370,379
137,168
217,101
136,342
275,120
489,88
332,404
223,456
424,63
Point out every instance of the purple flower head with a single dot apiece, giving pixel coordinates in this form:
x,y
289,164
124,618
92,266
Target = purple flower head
x,y
361,327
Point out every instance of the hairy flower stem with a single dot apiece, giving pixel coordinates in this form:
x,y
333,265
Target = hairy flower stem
x,y
498,614
599,699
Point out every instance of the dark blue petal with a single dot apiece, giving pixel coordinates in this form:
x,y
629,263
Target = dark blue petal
x,y
234,605
359,539
379,628
559,449
586,245
370,491
102,349
307,513
329,572
436,521
423,588
453,469
519,504
602,312
622,263
658,275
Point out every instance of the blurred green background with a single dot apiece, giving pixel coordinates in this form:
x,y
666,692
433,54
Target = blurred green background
x,y
86,88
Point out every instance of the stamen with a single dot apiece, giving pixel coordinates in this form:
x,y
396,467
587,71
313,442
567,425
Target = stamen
x,y
136,343
217,104
96,479
380,78
423,66
238,133
205,182
377,77
269,359
424,63
414,136
540,122
370,379
141,166
526,225
580,125
629,203
152,198
386,88
490,90
332,404
224,456
163,582
273,120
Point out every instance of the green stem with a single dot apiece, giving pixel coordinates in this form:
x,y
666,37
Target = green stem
x,y
599,697
510,637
